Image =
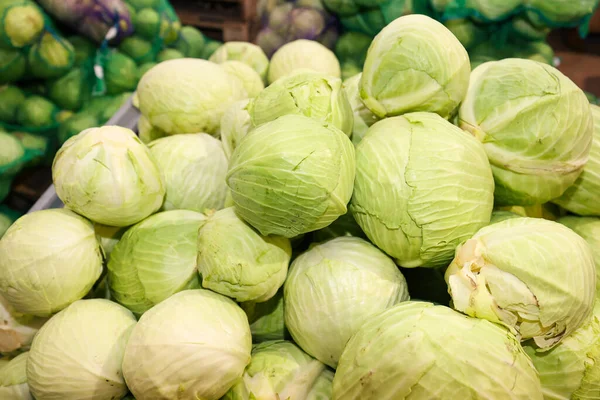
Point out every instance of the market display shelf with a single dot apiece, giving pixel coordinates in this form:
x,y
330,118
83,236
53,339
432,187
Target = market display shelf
x,y
127,117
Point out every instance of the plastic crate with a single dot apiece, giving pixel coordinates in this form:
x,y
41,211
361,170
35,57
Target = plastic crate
x,y
127,117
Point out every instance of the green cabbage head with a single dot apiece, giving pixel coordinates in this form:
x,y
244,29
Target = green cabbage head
x,y
194,168
415,64
572,369
589,229
235,124
78,353
155,259
107,175
236,261
248,53
187,95
311,94
303,54
194,345
249,79
422,187
13,379
536,127
422,351
48,259
363,117
335,287
534,276
583,197
292,175
279,370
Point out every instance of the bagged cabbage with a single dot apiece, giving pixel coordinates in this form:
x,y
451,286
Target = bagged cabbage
x,y
120,73
50,57
21,23
139,49
93,19
168,54
37,112
191,42
75,124
11,98
72,90
13,65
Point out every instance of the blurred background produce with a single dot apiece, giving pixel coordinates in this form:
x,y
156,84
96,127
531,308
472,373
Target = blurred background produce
x,y
312,77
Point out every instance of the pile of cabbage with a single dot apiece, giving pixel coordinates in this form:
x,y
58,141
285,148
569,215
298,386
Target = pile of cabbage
x,y
418,231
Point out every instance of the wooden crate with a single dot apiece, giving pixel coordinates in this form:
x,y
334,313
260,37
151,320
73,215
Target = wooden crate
x,y
224,20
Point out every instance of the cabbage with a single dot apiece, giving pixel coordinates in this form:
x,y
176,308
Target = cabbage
x,y
75,124
147,132
13,379
50,57
11,98
312,94
107,175
335,287
13,65
249,79
146,23
247,53
274,373
65,364
71,90
235,261
120,73
589,229
36,112
398,79
168,54
363,117
303,54
195,344
571,370
48,259
429,198
11,152
84,49
139,49
536,153
534,276
186,96
583,196
108,237
191,42
269,41
235,124
21,23
155,259
194,168
16,329
420,351
291,176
